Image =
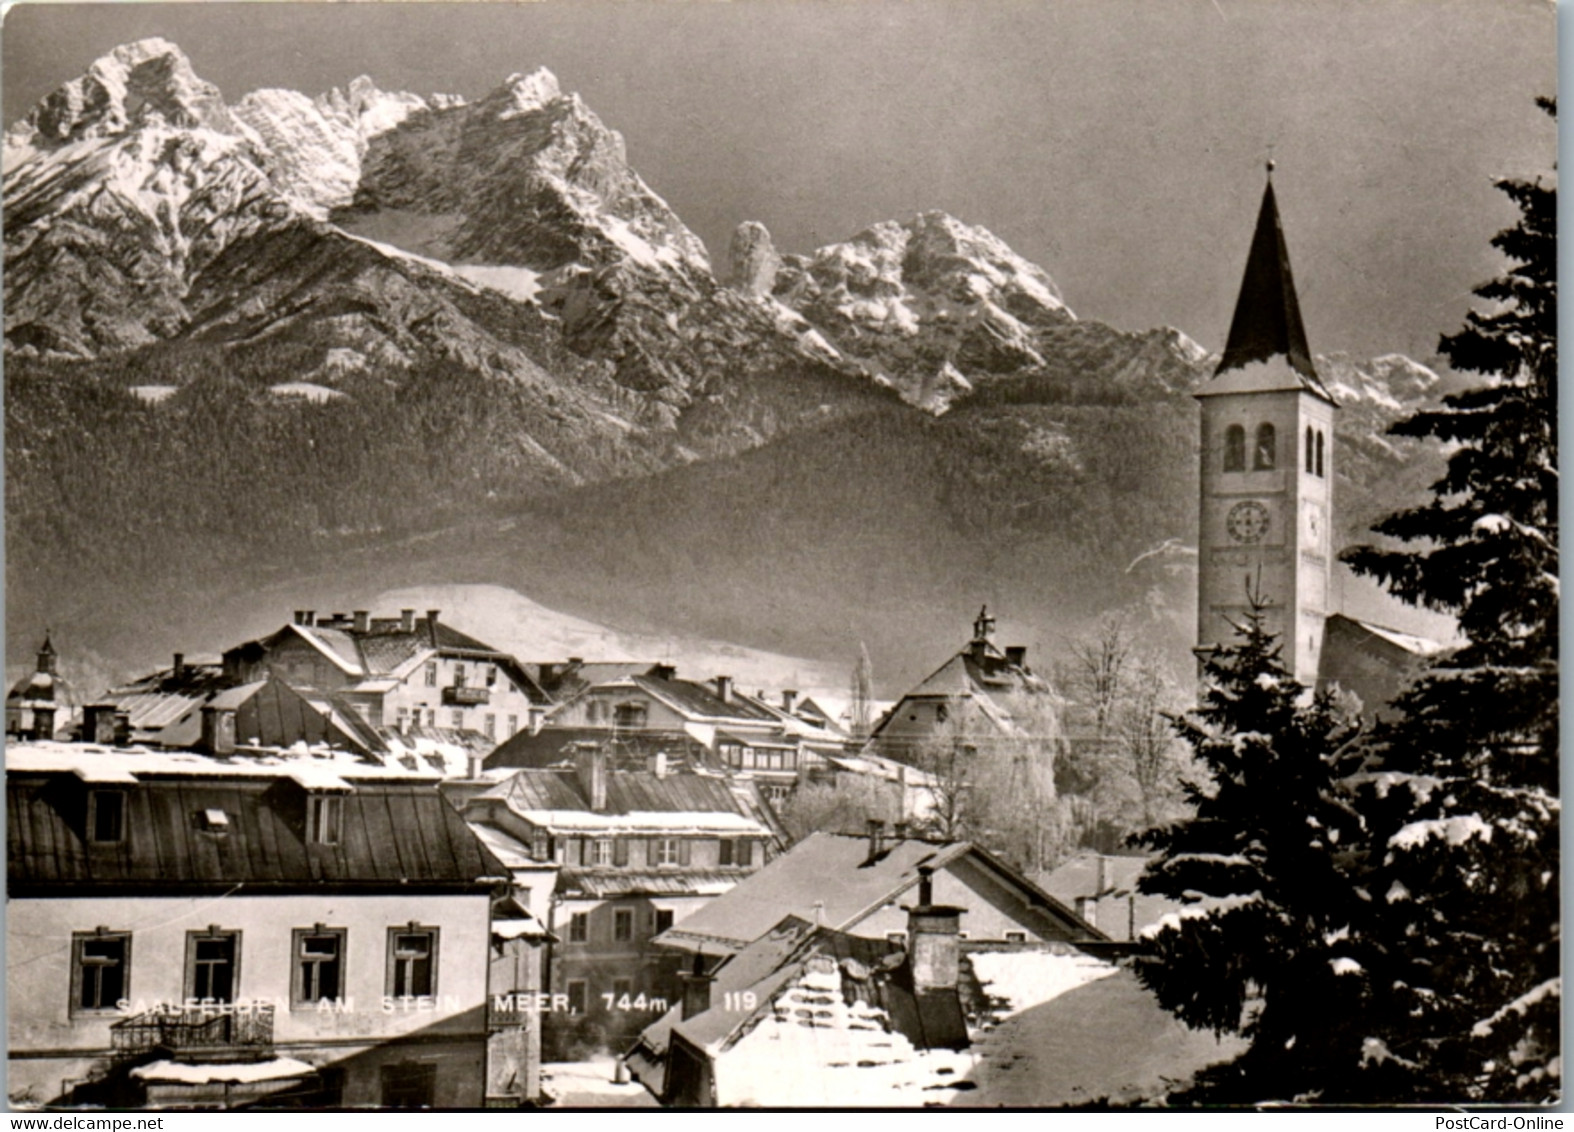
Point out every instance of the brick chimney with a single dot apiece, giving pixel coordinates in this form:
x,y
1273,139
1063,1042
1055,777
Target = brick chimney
x,y
362,620
658,764
724,689
309,617
591,766
789,700
696,988
663,671
901,831
876,831
218,730
1017,655
178,668
934,946
407,620
98,724
431,625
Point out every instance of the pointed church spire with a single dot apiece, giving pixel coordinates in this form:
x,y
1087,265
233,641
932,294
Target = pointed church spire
x,y
1267,318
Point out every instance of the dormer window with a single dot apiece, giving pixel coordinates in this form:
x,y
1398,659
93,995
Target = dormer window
x,y
1263,459
1235,449
106,817
323,814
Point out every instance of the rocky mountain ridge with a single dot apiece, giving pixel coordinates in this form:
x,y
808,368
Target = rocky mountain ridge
x,y
405,316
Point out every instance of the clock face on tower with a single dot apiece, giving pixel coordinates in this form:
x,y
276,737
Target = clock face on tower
x,y
1247,522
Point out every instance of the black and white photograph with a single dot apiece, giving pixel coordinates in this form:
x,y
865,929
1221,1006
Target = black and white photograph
x,y
782,554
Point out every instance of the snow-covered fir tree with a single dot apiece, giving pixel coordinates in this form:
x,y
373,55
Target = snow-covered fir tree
x,y
1462,796
1262,946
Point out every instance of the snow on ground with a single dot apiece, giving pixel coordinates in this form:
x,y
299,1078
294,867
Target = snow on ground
x,y
152,394
517,282
1106,1039
306,390
590,1084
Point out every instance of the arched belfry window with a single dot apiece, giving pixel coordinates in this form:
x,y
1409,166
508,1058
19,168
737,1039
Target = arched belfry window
x,y
1263,460
1319,451
1235,449
1310,441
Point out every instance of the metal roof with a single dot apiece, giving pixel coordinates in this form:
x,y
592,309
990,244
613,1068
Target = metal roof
x,y
391,834
1267,321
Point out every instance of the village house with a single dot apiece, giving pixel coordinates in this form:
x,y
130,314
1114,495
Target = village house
x,y
398,673
42,703
775,1024
981,698
189,931
809,1015
855,884
641,711
629,853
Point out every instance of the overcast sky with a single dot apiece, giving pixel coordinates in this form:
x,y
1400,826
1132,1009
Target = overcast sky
x,y
1118,143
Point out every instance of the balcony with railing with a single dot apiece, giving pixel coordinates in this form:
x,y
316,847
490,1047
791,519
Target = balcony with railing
x,y
462,695
217,1032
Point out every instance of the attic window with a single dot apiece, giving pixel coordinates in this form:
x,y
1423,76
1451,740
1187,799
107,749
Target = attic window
x,y
216,821
1016,937
323,812
106,816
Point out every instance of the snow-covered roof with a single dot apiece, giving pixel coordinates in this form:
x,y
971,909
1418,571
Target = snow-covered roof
x,y
314,768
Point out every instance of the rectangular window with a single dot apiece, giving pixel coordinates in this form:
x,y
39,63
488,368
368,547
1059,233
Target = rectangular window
x,y
663,919
578,927
431,674
319,965
106,819
739,852
513,725
664,851
431,717
623,925
458,721
725,857
491,675
403,718
541,847
620,853
601,851
412,961
212,964
489,726
1016,937
100,970
459,675
322,818
578,996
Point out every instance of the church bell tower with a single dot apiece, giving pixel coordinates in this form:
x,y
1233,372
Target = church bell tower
x,y
1267,466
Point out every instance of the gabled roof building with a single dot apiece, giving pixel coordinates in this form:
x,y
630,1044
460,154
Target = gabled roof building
x,y
629,854
291,930
982,696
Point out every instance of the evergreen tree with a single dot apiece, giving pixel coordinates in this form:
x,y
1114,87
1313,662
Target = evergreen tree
x,y
1263,946
1462,796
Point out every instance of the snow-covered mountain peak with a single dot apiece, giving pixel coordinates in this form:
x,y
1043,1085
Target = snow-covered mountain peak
x,y
370,111
1391,382
141,82
530,92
